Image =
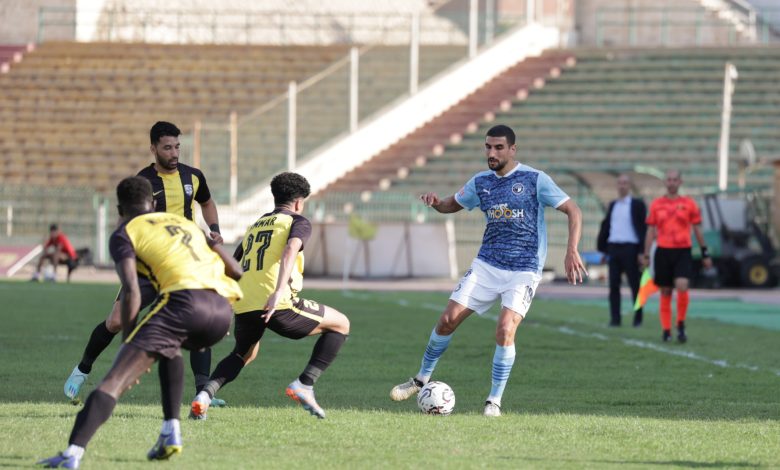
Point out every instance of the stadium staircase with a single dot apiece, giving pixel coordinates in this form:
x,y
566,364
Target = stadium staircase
x,y
323,113
11,54
616,110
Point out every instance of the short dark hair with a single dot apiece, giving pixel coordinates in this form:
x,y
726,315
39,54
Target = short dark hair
x,y
53,227
287,187
161,129
132,192
502,131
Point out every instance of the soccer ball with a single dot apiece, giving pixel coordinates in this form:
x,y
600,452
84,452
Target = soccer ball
x,y
436,398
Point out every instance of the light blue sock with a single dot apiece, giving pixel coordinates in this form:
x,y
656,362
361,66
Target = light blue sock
x,y
503,359
437,344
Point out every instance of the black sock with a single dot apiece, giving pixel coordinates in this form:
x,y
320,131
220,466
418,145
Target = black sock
x,y
225,372
98,342
325,351
200,361
97,410
171,373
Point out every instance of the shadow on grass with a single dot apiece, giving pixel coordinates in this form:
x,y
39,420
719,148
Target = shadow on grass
x,y
671,463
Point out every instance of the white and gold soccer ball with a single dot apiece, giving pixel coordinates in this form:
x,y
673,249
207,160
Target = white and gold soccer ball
x,y
436,398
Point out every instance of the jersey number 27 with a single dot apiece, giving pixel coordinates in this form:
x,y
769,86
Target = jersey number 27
x,y
261,241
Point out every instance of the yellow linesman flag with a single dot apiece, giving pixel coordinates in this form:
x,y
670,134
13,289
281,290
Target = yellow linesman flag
x,y
647,288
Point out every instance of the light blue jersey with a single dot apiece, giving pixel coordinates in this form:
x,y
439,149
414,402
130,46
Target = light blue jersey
x,y
515,236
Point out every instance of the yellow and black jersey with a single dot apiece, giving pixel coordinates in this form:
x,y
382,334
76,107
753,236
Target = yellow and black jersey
x,y
174,193
260,255
173,253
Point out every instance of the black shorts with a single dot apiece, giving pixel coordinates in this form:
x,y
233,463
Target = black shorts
x,y
191,319
670,264
148,292
294,323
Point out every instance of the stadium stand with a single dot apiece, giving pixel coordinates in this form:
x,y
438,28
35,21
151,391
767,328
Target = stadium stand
x,y
323,111
67,106
616,110
10,54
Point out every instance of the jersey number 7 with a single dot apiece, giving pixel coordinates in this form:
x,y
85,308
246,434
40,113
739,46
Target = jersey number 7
x,y
186,238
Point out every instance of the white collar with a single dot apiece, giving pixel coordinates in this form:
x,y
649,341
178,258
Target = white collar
x,y
510,171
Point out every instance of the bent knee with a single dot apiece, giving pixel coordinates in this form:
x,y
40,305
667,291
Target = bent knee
x,y
446,326
343,325
505,337
250,354
114,322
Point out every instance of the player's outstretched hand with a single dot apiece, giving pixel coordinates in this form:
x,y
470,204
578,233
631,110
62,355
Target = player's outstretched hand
x,y
270,306
216,238
575,268
430,199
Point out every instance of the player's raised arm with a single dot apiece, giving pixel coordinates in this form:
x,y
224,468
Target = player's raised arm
x,y
448,205
130,299
575,268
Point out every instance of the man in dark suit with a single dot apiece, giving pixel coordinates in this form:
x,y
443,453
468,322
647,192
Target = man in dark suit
x,y
622,238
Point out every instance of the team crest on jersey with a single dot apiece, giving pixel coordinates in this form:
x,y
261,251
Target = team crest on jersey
x,y
517,189
188,189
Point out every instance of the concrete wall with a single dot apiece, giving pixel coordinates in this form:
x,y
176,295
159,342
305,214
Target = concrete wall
x,y
19,19
701,27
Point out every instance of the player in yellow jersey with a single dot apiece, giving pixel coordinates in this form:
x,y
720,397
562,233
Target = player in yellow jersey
x,y
191,312
175,186
271,256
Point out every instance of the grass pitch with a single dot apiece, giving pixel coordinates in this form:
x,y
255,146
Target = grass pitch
x,y
581,395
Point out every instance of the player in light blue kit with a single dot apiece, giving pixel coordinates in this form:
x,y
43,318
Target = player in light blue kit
x,y
510,260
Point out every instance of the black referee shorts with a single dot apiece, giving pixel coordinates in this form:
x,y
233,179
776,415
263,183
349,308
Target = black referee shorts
x,y
670,264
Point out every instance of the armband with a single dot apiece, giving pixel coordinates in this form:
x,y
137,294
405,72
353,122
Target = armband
x,y
705,252
214,228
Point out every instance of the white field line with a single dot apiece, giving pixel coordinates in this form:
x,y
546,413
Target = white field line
x,y
582,334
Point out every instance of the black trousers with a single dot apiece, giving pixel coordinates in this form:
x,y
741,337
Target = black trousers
x,y
622,259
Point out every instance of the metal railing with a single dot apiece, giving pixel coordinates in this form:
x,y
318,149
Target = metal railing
x,y
85,216
668,26
282,132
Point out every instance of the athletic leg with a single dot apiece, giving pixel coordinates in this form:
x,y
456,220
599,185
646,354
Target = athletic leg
x,y
200,362
439,340
334,330
128,367
248,330
171,372
99,340
681,284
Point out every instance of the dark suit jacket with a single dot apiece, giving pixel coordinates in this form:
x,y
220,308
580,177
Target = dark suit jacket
x,y
638,216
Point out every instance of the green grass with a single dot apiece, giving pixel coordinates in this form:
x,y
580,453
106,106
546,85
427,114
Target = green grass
x,y
580,396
